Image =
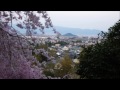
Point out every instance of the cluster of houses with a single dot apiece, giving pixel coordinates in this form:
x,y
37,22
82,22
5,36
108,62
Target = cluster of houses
x,y
73,47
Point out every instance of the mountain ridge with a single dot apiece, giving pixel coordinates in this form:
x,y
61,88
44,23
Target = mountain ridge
x,y
64,30
69,34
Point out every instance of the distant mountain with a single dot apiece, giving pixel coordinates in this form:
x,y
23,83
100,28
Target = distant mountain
x,y
78,31
68,34
65,30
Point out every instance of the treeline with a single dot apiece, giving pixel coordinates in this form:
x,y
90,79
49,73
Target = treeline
x,y
102,60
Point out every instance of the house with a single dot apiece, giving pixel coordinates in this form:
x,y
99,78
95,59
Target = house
x,y
58,53
65,48
57,45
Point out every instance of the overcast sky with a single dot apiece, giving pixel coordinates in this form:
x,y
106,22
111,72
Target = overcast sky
x,y
100,20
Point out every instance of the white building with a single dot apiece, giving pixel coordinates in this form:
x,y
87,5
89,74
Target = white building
x,y
65,48
57,45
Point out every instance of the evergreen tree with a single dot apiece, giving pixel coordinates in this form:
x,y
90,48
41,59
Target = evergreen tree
x,y
102,60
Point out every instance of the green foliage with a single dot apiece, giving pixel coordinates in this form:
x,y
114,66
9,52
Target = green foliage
x,y
66,68
62,43
44,46
78,41
102,60
39,56
63,67
49,69
52,53
49,44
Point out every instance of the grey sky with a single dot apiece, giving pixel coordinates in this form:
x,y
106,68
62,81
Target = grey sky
x,y
101,20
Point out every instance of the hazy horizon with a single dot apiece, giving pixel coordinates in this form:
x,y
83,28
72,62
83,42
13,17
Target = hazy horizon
x,y
100,20
73,21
